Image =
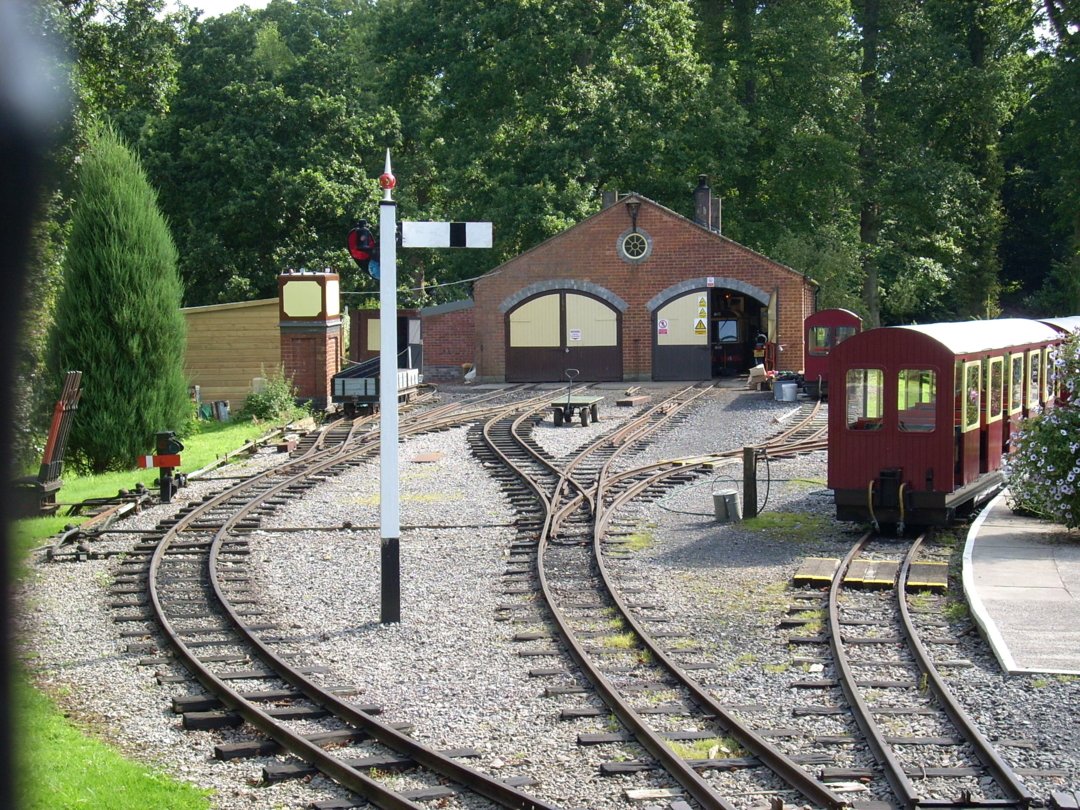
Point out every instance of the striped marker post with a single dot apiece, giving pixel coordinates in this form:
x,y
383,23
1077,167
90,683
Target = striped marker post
x,y
413,235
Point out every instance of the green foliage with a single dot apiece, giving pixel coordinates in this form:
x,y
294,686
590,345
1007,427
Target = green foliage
x,y
60,767
276,400
118,318
1044,466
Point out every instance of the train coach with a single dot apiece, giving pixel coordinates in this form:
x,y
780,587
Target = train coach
x,y
920,416
822,332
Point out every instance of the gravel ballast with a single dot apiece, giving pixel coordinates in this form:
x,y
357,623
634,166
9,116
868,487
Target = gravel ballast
x,y
450,667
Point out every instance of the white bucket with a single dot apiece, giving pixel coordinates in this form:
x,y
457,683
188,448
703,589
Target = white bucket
x,y
726,506
786,391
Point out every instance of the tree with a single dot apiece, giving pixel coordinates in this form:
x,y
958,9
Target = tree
x,y
270,148
118,318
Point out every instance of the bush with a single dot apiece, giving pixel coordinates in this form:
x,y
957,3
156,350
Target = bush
x,y
276,400
1043,469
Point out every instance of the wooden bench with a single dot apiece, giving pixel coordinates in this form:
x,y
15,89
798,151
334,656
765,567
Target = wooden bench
x,y
36,495
563,409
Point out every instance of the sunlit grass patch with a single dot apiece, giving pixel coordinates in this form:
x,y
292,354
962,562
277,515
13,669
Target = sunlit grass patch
x,y
796,526
710,748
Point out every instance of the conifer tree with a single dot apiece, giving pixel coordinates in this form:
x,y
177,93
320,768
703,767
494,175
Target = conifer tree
x,y
118,318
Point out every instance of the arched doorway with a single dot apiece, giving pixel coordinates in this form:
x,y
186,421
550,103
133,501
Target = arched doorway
x,y
554,330
707,331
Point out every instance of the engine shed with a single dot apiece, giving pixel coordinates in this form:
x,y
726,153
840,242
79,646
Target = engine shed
x,y
635,292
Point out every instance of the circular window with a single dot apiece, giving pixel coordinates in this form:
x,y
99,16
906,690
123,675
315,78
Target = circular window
x,y
634,246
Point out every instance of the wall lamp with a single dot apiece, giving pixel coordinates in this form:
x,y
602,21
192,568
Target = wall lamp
x,y
633,207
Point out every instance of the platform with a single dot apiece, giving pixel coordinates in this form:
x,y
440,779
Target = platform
x,y
1022,580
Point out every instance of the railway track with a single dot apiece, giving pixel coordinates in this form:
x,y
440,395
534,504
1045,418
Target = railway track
x,y
193,580
885,670
592,638
610,644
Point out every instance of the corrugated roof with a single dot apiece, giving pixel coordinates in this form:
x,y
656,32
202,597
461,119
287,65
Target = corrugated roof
x,y
966,337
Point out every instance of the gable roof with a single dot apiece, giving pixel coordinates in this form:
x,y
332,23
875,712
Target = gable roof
x,y
634,196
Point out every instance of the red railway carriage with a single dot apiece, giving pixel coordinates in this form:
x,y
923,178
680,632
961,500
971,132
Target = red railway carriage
x,y
918,415
823,331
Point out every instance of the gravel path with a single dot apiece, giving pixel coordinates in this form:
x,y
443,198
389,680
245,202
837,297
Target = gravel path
x,y
464,685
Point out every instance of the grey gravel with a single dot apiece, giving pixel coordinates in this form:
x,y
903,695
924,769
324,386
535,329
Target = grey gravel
x,y
450,667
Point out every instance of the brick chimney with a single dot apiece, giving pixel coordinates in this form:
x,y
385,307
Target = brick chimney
x,y
703,202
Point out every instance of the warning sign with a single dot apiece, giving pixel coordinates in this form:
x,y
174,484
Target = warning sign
x,y
661,326
701,302
699,326
575,334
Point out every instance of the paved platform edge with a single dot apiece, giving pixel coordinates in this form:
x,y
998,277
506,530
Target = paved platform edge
x,y
979,611
975,604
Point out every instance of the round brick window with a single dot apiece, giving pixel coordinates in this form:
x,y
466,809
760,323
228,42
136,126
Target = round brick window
x,y
635,246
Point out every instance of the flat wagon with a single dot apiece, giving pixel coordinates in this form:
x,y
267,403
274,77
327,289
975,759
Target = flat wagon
x,y
356,388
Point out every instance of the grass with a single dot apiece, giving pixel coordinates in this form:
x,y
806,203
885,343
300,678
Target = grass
x,y
213,440
711,748
796,526
60,766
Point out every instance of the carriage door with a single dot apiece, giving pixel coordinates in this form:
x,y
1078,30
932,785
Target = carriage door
x,y
551,332
681,339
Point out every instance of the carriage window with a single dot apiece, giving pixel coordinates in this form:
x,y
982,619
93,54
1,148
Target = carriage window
x,y
1033,379
1016,382
995,374
818,341
916,400
843,333
972,395
1047,371
865,397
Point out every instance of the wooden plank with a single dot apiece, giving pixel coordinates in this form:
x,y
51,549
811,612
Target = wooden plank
x,y
872,573
815,570
931,575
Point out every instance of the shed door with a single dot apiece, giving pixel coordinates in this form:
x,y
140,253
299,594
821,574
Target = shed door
x,y
552,332
681,339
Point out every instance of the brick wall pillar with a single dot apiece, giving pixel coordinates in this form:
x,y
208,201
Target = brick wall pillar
x,y
310,328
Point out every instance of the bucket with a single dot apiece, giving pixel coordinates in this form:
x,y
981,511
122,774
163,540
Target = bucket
x,y
726,506
786,391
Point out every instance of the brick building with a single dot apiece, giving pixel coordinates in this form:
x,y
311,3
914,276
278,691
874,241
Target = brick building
x,y
634,292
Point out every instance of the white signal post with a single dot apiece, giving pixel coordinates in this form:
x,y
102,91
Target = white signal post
x,y
389,497
413,234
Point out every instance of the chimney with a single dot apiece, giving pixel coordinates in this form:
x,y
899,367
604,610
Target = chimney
x,y
703,202
717,207
608,199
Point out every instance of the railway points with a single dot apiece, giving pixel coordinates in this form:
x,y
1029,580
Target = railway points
x,y
702,653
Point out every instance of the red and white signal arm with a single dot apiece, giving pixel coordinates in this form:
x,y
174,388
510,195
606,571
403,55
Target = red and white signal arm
x,y
165,460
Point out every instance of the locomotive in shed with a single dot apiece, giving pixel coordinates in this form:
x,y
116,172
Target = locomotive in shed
x,y
920,416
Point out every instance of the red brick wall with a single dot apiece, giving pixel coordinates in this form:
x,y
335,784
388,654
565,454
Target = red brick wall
x,y
681,251
311,356
449,343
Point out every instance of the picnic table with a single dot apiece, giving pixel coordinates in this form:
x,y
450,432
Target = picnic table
x,y
563,409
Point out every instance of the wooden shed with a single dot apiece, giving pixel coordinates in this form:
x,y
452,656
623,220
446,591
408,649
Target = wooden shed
x,y
231,345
